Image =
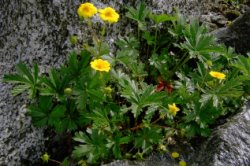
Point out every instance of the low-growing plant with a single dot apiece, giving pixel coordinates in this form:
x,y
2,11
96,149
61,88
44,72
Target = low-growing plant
x,y
171,80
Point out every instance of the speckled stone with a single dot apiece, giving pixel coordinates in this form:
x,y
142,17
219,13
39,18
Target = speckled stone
x,y
237,35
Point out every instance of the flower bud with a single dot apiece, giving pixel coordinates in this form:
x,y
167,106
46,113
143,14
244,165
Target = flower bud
x,y
45,157
162,148
108,90
73,39
68,91
209,63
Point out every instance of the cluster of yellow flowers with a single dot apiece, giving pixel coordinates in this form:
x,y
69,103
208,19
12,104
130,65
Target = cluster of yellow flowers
x,y
88,10
108,14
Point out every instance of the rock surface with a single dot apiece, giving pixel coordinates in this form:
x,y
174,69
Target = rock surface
x,y
237,35
229,144
39,30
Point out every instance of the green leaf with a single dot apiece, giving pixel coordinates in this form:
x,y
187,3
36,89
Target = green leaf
x,y
27,80
243,64
22,69
178,26
56,115
15,78
40,111
56,83
19,89
150,38
147,137
93,146
139,14
160,18
100,120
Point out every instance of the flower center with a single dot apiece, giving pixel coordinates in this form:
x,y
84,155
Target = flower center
x,y
108,14
100,66
86,9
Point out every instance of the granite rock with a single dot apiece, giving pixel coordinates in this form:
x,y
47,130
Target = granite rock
x,y
237,35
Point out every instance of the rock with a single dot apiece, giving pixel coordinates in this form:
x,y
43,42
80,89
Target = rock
x,y
153,160
229,144
236,35
219,20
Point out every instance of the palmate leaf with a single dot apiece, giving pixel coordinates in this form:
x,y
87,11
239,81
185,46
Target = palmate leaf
x,y
56,114
178,26
243,64
139,14
231,88
55,84
19,89
139,97
76,64
115,143
160,18
40,112
149,38
88,90
22,69
100,120
27,80
198,42
93,146
127,43
16,78
199,117
151,98
126,57
147,137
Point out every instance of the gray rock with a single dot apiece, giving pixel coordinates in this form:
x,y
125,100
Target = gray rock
x,y
229,144
236,35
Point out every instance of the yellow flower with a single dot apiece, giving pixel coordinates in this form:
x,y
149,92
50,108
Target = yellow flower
x,y
100,65
109,14
217,75
45,157
175,155
173,109
182,163
86,10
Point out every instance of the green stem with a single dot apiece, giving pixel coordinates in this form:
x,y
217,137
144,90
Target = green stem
x,y
138,32
183,60
156,32
55,161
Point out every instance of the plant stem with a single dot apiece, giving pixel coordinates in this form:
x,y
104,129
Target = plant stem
x,y
156,32
183,60
55,161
